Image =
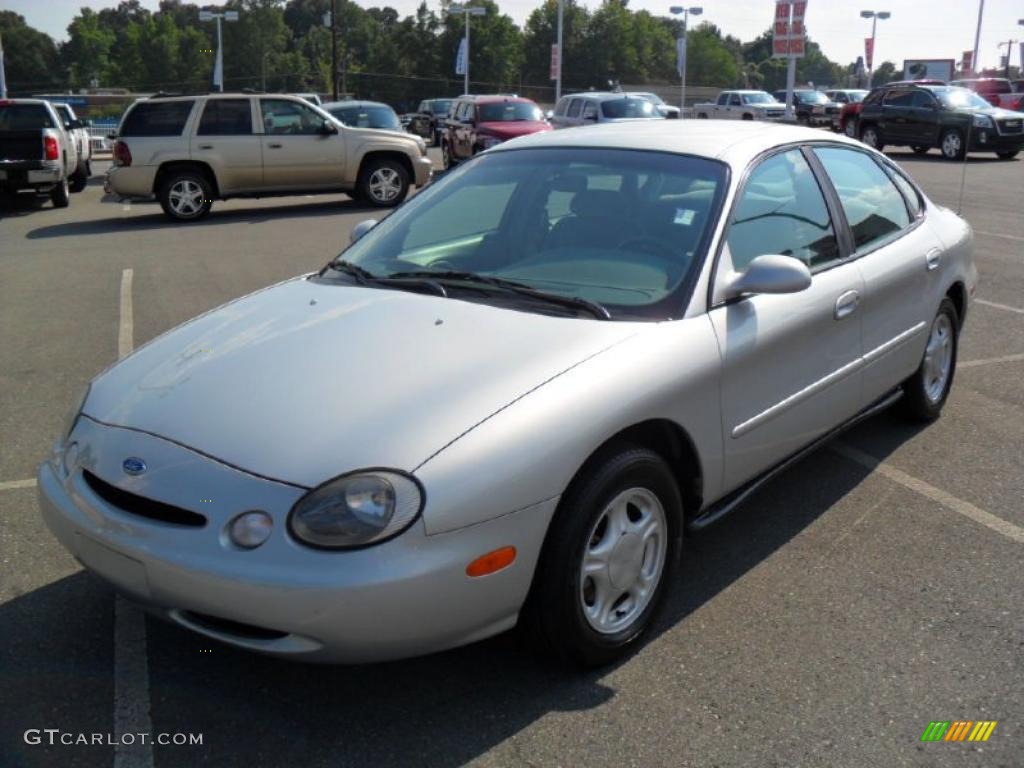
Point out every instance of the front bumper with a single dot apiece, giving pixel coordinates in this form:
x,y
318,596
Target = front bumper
x,y
408,596
988,140
423,169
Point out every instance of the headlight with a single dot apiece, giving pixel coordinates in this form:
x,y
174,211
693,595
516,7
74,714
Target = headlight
x,y
72,418
355,510
422,145
489,141
982,121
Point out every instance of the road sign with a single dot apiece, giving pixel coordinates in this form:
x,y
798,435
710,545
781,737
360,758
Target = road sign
x,y
554,61
869,51
460,58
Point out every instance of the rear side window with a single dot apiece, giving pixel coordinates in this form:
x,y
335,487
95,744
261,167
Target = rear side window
x,y
563,105
575,107
157,118
909,191
874,207
782,211
226,117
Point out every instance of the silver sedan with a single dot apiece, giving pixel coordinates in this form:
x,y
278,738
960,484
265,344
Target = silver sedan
x,y
508,402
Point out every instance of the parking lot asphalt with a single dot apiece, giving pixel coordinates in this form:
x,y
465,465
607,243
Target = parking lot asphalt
x,y
871,589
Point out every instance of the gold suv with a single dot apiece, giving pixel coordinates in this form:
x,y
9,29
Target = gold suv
x,y
191,150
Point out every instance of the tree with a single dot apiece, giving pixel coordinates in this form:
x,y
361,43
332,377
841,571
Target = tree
x,y
87,52
885,73
31,61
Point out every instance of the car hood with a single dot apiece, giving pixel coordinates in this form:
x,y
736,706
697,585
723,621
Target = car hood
x,y
307,380
508,129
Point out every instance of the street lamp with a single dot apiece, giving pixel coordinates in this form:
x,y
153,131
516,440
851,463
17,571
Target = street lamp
x,y
874,16
218,67
467,11
675,10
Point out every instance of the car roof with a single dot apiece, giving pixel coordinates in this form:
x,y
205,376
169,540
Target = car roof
x,y
605,95
743,90
353,103
494,99
733,141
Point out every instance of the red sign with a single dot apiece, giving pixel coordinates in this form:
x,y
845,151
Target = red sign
x,y
869,51
796,29
799,8
968,62
554,61
782,10
796,46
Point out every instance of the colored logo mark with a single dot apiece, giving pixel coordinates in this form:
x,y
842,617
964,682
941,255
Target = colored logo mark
x,y
958,730
133,465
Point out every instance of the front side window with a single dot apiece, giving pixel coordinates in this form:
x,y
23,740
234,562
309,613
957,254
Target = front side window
x,y
628,107
226,117
575,108
562,107
899,99
758,98
281,117
370,116
874,207
723,99
157,118
782,211
590,111
627,229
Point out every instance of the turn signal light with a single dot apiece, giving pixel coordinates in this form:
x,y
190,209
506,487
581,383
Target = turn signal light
x,y
52,150
122,155
492,562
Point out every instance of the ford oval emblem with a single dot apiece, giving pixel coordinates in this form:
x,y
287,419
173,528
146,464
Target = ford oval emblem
x,y
133,465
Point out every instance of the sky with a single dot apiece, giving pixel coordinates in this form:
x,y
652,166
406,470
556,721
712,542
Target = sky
x,y
918,29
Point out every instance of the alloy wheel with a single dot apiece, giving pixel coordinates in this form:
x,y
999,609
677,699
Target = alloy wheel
x,y
938,358
185,198
951,145
385,185
870,137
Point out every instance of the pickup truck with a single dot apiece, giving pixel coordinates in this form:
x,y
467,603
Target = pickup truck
x,y
79,130
741,105
36,153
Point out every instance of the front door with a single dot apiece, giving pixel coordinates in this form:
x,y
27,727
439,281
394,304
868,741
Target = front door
x,y
790,361
296,153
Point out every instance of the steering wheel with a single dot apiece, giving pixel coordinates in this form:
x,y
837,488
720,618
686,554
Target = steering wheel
x,y
651,246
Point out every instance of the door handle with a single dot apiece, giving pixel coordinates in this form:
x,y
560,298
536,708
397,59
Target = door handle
x,y
846,304
933,258
206,146
274,145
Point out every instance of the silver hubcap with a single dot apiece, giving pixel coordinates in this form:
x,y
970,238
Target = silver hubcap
x,y
623,560
871,138
938,358
951,144
851,130
186,197
385,184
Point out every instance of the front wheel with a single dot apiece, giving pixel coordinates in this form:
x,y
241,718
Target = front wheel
x,y
920,149
186,196
446,156
608,557
850,129
926,391
871,136
79,179
384,183
952,145
59,195
1008,155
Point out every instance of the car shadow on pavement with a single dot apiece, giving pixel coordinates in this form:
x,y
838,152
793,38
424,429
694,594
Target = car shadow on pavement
x,y
12,206
442,710
935,157
135,223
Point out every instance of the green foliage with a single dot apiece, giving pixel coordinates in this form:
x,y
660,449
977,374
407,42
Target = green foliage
x,y
30,56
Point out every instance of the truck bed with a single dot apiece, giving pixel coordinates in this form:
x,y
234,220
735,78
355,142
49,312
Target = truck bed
x,y
21,145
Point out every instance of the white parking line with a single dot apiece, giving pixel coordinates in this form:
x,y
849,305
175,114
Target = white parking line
x,y
131,663
965,508
990,361
1000,306
10,485
996,234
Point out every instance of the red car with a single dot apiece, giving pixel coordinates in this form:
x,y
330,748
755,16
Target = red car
x,y
476,123
997,91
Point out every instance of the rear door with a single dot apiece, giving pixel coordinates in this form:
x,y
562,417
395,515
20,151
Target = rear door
x,y
224,139
296,155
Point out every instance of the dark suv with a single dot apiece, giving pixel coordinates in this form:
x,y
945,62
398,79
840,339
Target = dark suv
x,y
476,123
953,119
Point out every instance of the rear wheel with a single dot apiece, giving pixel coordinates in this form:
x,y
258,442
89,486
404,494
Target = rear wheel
x,y
871,136
920,149
748,117
79,179
851,129
59,195
926,391
702,116
383,183
186,195
608,557
1008,155
952,145
446,156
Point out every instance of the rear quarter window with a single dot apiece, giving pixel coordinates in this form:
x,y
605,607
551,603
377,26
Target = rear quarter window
x,y
161,118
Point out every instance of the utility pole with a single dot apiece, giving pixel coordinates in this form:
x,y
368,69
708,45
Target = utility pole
x,y
558,79
977,37
1009,52
334,50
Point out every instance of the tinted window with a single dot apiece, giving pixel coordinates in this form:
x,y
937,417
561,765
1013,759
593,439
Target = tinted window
x,y
226,117
899,98
63,113
575,107
157,118
923,99
368,117
909,191
874,207
509,111
614,108
562,106
440,106
734,100
590,110
782,210
723,99
24,117
281,117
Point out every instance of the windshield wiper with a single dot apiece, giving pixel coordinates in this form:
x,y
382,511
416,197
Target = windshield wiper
x,y
511,286
354,270
366,277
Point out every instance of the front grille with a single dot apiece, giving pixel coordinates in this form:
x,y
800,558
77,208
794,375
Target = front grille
x,y
775,113
134,504
235,628
1011,126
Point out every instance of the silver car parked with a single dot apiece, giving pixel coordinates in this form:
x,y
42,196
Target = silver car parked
x,y
599,107
510,400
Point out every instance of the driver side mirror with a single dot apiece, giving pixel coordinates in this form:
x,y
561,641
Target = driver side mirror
x,y
361,229
769,274
327,128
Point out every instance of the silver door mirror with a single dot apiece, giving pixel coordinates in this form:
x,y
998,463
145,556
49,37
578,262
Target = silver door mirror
x,y
770,274
548,115
361,229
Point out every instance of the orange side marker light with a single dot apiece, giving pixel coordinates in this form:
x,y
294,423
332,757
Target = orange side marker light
x,y
492,562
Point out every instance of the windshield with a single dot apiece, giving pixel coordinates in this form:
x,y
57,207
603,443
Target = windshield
x,y
758,98
959,98
651,97
439,106
625,229
368,117
509,111
856,97
628,107
24,117
811,97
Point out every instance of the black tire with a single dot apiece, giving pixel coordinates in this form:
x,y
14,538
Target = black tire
x,y
1008,155
186,195
383,183
748,117
952,144
922,400
60,194
447,161
702,116
871,136
435,139
553,619
920,149
851,128
79,179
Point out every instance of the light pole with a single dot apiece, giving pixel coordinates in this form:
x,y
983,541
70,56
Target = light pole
x,y
558,71
874,16
218,67
467,11
675,10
